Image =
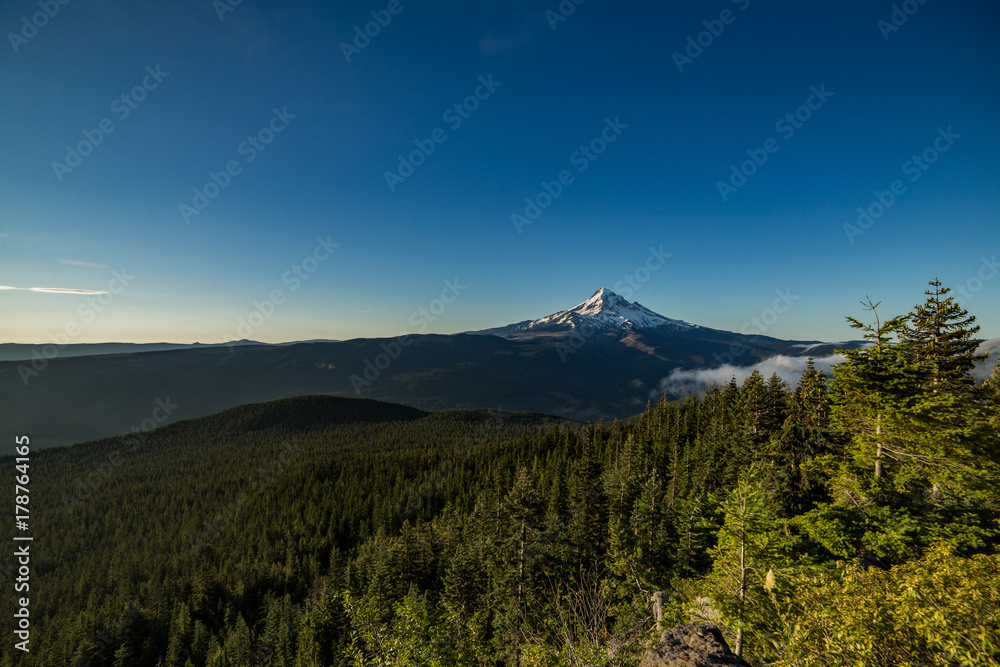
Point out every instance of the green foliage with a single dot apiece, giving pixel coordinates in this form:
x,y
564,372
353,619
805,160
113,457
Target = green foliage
x,y
746,559
942,334
872,393
938,610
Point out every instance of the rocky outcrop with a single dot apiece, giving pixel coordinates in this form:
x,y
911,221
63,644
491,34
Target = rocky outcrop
x,y
691,646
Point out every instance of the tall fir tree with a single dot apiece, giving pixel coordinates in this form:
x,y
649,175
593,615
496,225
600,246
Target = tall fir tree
x,y
748,550
943,334
872,390
805,435
948,435
753,407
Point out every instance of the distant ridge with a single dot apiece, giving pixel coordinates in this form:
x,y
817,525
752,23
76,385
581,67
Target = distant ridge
x,y
27,351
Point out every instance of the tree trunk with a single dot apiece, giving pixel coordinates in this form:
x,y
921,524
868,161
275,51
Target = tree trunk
x,y
742,593
878,447
657,600
652,521
498,513
520,567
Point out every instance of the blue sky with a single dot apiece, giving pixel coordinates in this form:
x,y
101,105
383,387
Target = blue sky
x,y
211,84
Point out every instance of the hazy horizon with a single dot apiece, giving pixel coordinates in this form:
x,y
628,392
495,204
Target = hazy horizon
x,y
753,327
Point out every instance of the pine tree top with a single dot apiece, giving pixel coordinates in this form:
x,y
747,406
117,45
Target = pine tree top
x,y
943,335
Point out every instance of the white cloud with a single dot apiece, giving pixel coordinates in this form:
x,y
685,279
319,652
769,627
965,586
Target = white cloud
x,y
984,368
51,290
681,382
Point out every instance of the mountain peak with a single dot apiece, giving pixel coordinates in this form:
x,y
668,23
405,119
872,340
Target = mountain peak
x,y
603,311
602,300
607,310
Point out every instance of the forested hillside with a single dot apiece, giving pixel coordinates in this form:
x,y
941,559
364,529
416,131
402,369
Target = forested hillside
x,y
844,521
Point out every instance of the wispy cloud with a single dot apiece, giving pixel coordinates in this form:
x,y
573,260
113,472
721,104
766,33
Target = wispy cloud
x,y
88,265
52,290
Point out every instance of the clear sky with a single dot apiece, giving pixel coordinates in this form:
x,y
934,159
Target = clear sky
x,y
309,128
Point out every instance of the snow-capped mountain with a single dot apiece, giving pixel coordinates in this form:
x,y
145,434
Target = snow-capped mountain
x,y
618,327
604,311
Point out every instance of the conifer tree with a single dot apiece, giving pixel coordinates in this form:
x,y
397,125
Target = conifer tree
x,y
947,437
925,437
753,406
804,436
942,333
524,508
588,509
646,526
872,389
812,397
238,641
776,403
745,556
180,636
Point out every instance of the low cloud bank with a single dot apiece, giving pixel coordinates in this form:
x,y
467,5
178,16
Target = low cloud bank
x,y
984,368
681,382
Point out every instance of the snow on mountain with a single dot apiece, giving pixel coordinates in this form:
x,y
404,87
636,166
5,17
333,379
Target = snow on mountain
x,y
605,310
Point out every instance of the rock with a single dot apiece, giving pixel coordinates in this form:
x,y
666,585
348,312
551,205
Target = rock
x,y
691,646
